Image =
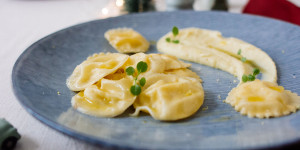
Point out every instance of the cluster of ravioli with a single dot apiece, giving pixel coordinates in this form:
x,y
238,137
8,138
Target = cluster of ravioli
x,y
260,98
171,92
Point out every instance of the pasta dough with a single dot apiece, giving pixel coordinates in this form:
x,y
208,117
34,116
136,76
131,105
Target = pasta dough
x,y
94,68
105,86
263,99
184,72
126,40
170,97
107,98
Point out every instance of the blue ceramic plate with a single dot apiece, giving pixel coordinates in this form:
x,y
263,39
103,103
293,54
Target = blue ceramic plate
x,y
40,73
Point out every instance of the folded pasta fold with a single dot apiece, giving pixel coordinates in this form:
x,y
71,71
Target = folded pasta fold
x,y
170,97
171,92
127,40
107,98
94,68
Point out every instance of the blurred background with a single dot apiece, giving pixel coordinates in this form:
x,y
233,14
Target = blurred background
x,y
286,10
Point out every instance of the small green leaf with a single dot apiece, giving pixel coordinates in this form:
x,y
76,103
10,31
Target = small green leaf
x,y
251,77
256,71
130,71
143,81
239,52
243,59
135,89
244,78
168,39
175,31
142,67
175,41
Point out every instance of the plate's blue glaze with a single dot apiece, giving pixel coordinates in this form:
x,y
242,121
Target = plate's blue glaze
x,y
41,72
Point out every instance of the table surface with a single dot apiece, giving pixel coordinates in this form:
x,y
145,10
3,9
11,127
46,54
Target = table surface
x,y
22,23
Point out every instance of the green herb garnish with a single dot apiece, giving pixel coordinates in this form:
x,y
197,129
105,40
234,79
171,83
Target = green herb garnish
x,y
135,89
239,52
243,59
245,78
251,77
175,41
130,71
256,71
168,39
140,67
175,32
143,81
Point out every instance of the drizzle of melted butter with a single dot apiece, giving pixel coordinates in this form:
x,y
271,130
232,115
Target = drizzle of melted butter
x,y
277,88
255,99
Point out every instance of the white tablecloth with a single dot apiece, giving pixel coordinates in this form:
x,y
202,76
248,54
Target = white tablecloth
x,y
23,22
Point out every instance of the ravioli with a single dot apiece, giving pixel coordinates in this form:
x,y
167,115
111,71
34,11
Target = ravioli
x,y
94,68
126,40
263,99
107,98
170,97
184,72
105,87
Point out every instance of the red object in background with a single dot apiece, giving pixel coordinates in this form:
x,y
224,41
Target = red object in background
x,y
279,9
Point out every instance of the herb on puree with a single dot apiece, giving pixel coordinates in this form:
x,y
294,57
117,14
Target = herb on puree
x,y
243,59
141,67
175,32
251,77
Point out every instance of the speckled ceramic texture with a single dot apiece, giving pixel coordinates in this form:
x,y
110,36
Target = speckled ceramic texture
x,y
41,72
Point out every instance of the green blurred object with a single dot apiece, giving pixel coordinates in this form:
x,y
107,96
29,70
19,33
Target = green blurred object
x,y
133,6
8,135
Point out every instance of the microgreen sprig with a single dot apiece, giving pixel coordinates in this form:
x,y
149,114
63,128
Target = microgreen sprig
x,y
175,32
251,77
137,87
243,59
